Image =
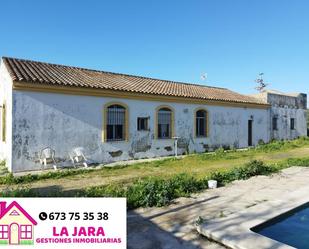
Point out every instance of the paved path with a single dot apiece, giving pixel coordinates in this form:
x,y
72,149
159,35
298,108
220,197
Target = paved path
x,y
173,226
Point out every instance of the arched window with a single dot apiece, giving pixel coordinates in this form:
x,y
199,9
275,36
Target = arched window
x,y
201,123
116,122
164,123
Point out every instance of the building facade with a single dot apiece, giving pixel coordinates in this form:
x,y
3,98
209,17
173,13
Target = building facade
x,y
287,113
115,117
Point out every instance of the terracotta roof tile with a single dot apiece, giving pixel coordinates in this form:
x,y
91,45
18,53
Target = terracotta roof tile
x,y
46,73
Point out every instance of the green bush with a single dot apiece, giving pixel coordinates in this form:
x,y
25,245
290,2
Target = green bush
x,y
186,184
150,191
253,168
160,192
256,167
221,177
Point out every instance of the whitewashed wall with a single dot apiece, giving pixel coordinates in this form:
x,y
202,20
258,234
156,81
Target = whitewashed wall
x,y
64,122
284,115
285,107
6,96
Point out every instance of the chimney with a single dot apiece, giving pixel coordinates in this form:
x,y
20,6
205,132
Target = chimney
x,y
2,206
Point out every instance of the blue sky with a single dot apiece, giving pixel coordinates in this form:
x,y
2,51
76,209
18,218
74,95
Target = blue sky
x,y
231,40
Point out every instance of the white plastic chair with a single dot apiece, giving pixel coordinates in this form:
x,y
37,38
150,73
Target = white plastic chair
x,y
77,157
47,156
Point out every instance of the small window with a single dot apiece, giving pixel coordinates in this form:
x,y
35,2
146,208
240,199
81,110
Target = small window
x,y
201,123
292,123
164,123
275,123
142,124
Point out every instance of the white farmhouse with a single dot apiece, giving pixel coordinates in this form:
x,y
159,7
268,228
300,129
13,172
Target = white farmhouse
x,y
114,117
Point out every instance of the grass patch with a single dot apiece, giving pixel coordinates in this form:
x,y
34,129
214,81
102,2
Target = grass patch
x,y
158,191
155,191
10,179
26,242
282,145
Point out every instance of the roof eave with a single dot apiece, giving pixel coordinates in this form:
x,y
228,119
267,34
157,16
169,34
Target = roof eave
x,y
89,91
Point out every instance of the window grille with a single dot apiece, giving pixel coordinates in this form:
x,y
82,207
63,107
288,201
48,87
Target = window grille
x,y
115,123
142,124
164,123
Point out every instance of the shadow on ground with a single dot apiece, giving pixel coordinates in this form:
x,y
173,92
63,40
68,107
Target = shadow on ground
x,y
146,233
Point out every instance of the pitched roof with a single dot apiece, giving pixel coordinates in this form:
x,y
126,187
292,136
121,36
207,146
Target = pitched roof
x,y
27,71
15,204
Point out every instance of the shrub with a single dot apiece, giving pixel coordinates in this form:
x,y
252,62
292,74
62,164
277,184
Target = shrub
x,y
159,192
221,177
253,168
256,167
150,191
186,184
219,152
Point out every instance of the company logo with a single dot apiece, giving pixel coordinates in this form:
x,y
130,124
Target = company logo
x,y
16,225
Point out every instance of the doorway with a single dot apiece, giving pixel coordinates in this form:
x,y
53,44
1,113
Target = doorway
x,y
14,234
250,124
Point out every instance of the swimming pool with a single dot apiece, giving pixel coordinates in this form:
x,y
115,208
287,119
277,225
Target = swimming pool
x,y
291,228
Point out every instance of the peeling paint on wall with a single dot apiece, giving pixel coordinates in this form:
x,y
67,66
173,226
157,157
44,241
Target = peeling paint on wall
x,y
64,122
168,148
115,153
142,144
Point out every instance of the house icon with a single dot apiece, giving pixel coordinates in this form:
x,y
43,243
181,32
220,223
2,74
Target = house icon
x,y
16,225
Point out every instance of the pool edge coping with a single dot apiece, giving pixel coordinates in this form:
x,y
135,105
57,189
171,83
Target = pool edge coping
x,y
234,231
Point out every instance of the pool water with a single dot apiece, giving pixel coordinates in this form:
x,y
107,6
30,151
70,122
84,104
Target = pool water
x,y
291,228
